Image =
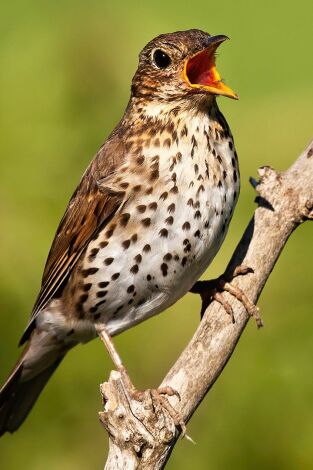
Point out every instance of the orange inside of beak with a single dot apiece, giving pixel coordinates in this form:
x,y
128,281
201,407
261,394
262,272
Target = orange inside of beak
x,y
200,72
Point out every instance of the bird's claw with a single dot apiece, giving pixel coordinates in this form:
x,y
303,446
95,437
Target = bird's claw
x,y
158,396
212,290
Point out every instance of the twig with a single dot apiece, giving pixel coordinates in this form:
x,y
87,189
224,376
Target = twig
x,y
142,435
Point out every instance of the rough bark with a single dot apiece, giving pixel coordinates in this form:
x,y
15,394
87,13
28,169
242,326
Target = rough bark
x,y
143,434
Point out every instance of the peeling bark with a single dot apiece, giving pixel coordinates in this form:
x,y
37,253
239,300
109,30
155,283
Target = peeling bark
x,y
142,434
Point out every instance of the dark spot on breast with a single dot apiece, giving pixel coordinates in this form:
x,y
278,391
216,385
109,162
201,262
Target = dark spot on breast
x,y
89,272
146,222
153,206
224,174
93,254
174,190
124,218
196,169
157,142
100,303
115,276
87,287
110,231
140,160
134,238
163,232
167,143
174,177
164,269
126,244
231,145
130,301
103,244
149,190
134,269
69,333
186,226
141,208
146,248
93,310
83,298
184,261
197,234
197,215
130,289
124,185
108,261
200,189
167,257
137,188
235,176
138,258
190,202
164,195
103,284
102,293
154,175
169,220
184,131
171,208
149,277
176,258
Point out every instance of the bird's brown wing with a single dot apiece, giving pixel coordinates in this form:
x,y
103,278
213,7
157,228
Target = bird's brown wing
x,y
91,207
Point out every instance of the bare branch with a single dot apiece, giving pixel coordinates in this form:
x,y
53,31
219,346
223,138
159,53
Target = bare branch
x,y
142,434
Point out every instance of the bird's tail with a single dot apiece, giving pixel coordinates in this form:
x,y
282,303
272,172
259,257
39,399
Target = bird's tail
x,y
38,361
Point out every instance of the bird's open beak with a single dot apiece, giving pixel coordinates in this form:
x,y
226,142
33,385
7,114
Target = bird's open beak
x,y
200,71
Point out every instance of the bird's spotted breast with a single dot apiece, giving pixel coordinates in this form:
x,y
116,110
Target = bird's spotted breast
x,y
181,188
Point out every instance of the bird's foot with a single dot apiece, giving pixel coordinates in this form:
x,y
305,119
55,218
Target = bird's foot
x,y
212,290
158,396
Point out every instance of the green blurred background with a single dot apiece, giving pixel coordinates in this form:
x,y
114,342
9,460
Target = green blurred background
x,y
65,71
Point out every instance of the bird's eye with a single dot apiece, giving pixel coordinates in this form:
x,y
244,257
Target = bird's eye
x,y
161,59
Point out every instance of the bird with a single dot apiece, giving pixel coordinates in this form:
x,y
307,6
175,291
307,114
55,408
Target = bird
x,y
147,218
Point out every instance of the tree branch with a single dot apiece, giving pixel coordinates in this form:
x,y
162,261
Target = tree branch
x,y
143,434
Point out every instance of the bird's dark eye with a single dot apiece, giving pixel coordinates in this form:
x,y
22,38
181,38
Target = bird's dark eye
x,y
161,59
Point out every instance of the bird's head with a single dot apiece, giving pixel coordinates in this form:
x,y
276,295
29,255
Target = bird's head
x,y
178,65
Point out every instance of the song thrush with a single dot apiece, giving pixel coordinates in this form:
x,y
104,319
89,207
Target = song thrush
x,y
146,220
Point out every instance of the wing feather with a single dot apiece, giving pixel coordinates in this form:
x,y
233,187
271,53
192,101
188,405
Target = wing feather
x,y
90,208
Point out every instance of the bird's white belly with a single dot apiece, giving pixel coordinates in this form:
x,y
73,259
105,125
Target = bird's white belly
x,y
194,233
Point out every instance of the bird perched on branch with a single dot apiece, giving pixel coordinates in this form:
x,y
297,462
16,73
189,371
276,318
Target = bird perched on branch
x,y
146,220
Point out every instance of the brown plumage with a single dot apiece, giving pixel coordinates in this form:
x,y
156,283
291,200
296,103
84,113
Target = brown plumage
x,y
147,218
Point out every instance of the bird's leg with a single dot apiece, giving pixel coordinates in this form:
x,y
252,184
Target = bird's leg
x,y
116,359
158,395
212,290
